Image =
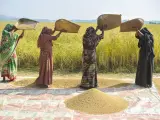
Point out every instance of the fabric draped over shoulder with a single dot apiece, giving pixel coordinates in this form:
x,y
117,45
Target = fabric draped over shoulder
x,y
44,36
44,42
146,59
7,44
8,57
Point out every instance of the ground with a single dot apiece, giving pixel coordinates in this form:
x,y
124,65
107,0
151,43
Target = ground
x,y
21,103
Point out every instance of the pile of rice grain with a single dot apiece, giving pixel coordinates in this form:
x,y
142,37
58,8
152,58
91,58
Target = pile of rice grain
x,y
94,101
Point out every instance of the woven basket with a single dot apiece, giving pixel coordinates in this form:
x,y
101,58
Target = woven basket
x,y
111,20
132,25
26,24
66,25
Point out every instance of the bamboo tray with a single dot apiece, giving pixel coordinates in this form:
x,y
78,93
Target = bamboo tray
x,y
66,25
26,24
111,20
132,25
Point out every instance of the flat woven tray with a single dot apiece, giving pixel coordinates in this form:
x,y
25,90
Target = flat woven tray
x,y
66,25
132,25
26,24
111,20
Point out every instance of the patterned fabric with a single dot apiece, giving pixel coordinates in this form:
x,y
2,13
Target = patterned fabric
x,y
8,56
8,27
90,41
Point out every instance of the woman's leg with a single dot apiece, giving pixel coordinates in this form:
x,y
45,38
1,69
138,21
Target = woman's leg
x,y
89,78
12,66
4,79
4,72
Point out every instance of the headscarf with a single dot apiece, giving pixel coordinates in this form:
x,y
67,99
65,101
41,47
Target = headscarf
x,y
89,32
8,27
150,42
90,39
145,31
41,41
44,30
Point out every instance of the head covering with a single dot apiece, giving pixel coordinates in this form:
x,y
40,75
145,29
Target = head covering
x,y
8,27
145,31
45,30
89,32
90,39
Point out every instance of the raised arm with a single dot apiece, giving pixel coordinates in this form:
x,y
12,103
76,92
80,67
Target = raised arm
x,y
49,37
53,31
97,28
101,36
139,36
57,36
21,36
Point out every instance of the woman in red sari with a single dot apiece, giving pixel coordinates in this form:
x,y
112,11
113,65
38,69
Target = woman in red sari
x,y
45,60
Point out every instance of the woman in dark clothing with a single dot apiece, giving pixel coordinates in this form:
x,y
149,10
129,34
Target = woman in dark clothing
x,y
90,42
146,58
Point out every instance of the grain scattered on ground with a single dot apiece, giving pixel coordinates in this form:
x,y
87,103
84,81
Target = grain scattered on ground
x,y
72,83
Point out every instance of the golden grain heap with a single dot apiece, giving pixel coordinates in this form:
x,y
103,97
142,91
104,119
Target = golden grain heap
x,y
94,101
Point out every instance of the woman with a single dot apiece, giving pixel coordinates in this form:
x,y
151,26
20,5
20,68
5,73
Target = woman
x,y
7,51
45,60
90,42
146,56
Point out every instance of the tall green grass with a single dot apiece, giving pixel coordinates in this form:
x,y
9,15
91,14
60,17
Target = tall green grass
x,y
117,52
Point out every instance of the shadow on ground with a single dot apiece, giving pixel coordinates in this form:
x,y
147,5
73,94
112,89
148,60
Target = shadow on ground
x,y
32,89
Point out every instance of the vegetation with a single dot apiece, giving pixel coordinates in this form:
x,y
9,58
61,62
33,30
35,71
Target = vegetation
x,y
117,52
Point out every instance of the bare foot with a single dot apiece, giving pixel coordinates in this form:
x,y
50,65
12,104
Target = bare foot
x,y
4,80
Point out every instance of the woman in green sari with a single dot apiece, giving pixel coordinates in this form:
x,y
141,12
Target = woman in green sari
x,y
8,57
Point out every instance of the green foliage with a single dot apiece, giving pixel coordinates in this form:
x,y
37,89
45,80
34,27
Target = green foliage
x,y
117,52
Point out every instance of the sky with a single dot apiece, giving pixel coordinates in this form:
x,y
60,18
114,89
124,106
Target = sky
x,y
80,9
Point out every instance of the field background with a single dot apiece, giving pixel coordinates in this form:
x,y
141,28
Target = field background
x,y
117,52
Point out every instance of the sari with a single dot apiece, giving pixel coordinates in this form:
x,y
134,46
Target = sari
x,y
146,58
89,62
8,57
45,59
